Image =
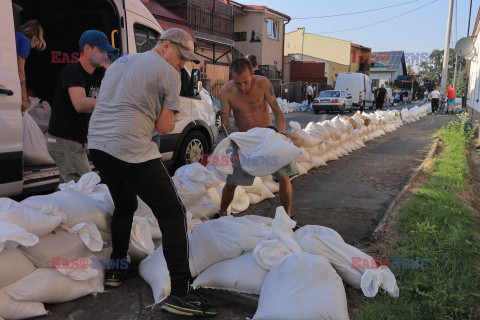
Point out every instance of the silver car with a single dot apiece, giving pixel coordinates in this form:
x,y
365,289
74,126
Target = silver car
x,y
332,100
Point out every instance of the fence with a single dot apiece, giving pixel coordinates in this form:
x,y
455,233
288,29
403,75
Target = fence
x,y
297,91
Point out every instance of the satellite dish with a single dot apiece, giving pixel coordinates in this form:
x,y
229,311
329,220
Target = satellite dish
x,y
472,55
464,46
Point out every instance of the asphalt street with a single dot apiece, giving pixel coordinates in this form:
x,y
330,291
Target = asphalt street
x,y
348,195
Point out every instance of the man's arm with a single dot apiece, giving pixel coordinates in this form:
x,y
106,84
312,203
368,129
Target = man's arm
x,y
277,112
23,81
225,110
80,101
165,123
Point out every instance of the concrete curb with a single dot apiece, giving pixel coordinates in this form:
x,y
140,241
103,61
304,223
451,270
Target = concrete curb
x,y
392,205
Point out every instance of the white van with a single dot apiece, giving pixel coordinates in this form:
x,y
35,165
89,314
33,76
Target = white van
x,y
358,86
131,28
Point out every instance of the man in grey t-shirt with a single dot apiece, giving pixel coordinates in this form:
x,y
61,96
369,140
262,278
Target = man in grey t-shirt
x,y
139,94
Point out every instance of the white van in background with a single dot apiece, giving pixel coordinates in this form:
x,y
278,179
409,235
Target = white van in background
x,y
358,86
131,28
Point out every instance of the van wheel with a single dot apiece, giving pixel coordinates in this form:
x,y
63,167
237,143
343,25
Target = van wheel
x,y
193,147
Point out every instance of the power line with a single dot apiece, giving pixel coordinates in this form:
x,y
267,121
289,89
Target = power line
x,y
358,12
372,24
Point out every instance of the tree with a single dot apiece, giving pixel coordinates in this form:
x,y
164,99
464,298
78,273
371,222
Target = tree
x,y
431,71
461,85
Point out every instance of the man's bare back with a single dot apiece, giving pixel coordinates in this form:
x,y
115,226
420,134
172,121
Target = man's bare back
x,y
250,104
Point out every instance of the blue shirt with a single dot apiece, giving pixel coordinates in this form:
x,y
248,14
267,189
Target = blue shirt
x,y
23,45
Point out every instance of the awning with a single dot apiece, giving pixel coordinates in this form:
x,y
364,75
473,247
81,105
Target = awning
x,y
168,25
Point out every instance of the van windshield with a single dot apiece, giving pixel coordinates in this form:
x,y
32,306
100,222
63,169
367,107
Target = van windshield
x,y
330,94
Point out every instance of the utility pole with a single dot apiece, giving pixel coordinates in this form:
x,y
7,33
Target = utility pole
x,y
446,52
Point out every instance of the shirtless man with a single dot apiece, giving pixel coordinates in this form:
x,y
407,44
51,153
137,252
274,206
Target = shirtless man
x,y
247,96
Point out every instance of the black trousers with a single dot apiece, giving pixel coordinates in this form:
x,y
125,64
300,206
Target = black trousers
x,y
435,102
379,102
309,98
152,183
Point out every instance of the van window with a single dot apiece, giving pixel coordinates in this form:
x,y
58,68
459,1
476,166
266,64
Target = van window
x,y
145,38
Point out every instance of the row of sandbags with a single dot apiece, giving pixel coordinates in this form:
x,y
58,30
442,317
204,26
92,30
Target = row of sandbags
x,y
288,107
263,256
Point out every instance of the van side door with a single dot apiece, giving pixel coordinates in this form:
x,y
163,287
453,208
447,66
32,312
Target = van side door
x,y
11,132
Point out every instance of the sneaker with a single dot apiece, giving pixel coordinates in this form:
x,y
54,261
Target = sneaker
x,y
114,278
189,305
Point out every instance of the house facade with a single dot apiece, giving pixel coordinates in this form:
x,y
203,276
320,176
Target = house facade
x,y
260,31
473,83
335,53
387,66
360,59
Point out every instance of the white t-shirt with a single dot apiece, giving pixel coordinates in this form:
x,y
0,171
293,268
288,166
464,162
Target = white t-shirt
x,y
435,94
310,90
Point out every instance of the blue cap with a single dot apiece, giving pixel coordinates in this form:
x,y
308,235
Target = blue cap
x,y
96,38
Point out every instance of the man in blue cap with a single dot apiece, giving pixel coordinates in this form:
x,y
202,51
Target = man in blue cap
x,y
75,98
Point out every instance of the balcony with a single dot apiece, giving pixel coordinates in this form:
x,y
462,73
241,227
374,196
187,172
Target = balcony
x,y
209,22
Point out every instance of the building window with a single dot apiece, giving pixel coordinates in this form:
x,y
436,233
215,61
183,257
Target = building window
x,y
272,29
145,38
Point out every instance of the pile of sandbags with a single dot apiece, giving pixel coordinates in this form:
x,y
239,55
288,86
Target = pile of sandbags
x,y
47,248
259,255
40,111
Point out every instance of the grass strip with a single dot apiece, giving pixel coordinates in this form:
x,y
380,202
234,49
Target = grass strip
x,y
437,226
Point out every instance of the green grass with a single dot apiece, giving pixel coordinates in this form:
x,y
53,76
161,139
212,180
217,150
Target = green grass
x,y
436,225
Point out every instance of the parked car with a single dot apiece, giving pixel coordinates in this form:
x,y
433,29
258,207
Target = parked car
x,y
132,28
332,100
358,86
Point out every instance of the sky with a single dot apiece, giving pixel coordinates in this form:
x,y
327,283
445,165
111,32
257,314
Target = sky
x,y
420,31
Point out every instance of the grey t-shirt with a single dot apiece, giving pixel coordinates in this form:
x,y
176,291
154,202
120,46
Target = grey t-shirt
x,y
133,91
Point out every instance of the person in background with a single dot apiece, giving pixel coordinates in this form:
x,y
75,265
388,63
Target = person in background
x,y
30,36
380,98
310,93
426,95
254,62
450,98
75,98
435,95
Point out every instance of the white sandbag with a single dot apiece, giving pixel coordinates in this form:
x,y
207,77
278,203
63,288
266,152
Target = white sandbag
x,y
306,165
258,191
12,309
240,201
382,277
345,258
154,271
101,193
40,112
262,152
266,221
77,208
302,287
203,208
270,184
301,169
304,157
48,286
12,235
192,182
102,259
215,195
62,245
307,139
155,231
38,222
241,275
141,244
269,252
225,238
318,230
35,151
85,184
192,223
14,265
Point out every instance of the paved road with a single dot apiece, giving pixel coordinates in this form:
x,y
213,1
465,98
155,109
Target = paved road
x,y
349,195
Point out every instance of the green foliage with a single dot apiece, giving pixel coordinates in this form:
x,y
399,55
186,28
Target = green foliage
x,y
431,71
437,226
461,86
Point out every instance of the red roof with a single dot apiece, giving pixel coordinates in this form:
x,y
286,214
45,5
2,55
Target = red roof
x,y
167,19
168,25
158,10
242,7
